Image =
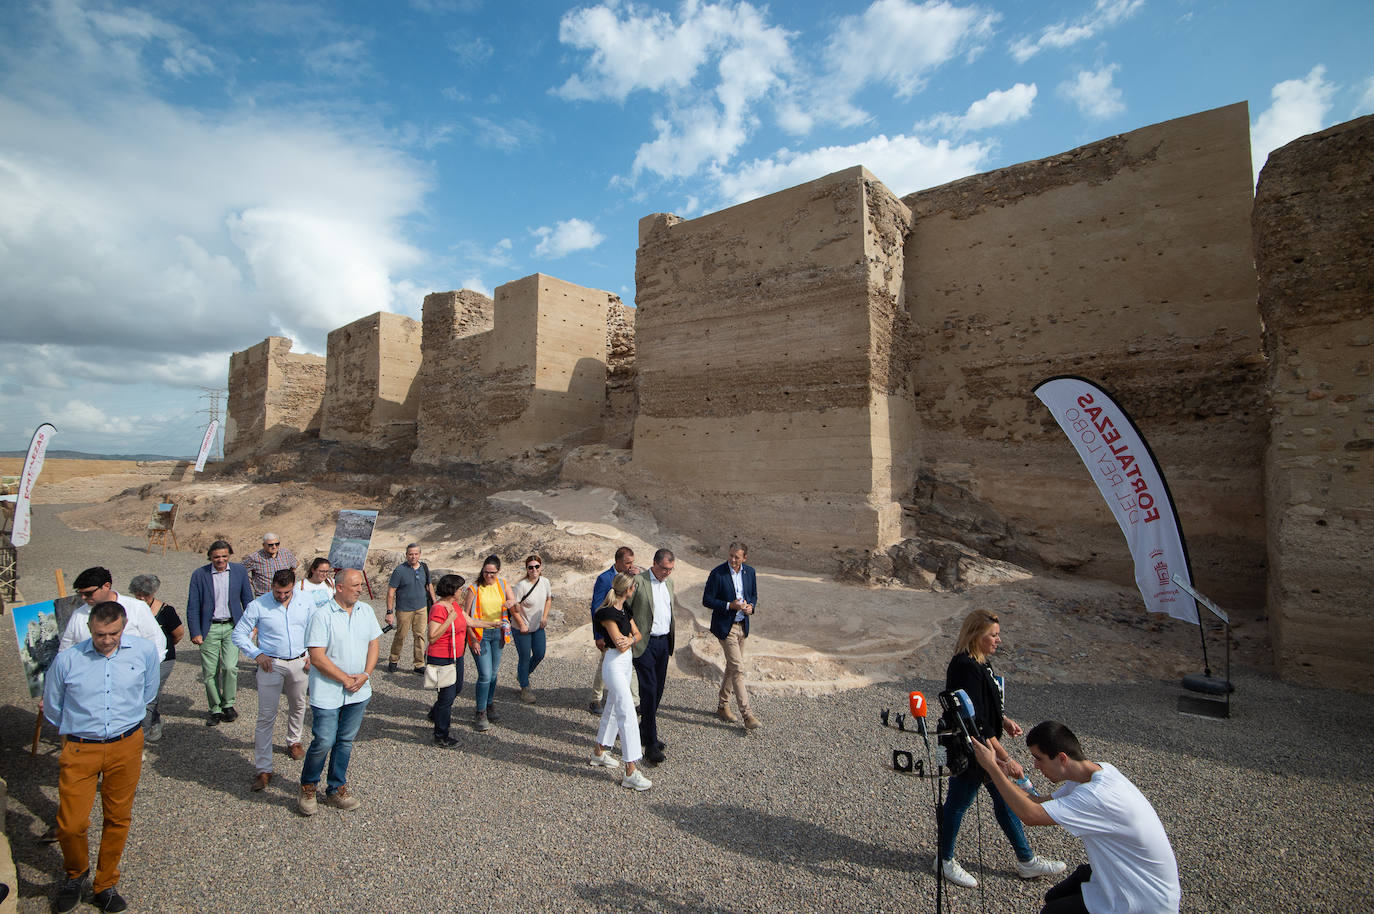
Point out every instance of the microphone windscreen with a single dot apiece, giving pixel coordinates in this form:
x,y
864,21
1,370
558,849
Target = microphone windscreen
x,y
964,704
918,704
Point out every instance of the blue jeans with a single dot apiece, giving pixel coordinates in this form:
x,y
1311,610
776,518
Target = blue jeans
x,y
962,791
488,663
530,647
334,730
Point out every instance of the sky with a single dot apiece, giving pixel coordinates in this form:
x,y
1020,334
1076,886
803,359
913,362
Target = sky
x,y
179,181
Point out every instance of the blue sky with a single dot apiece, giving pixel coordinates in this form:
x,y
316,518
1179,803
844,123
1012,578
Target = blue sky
x,y
180,180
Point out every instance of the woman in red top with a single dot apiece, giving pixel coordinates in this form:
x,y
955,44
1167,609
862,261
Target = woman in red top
x,y
448,626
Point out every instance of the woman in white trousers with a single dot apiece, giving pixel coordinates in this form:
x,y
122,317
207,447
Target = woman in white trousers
x,y
616,669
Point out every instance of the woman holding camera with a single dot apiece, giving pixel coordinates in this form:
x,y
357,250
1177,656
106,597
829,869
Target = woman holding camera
x,y
971,671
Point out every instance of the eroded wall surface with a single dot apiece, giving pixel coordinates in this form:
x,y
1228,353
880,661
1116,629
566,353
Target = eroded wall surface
x,y
534,376
370,396
622,377
1314,250
766,399
273,394
1127,261
455,324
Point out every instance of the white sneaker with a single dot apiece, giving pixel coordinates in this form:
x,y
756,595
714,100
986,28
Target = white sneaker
x,y
636,781
957,875
1038,866
604,760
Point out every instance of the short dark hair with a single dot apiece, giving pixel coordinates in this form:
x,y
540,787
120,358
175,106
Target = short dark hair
x,y
107,612
622,552
218,544
449,585
738,545
1051,738
93,577
285,577
662,554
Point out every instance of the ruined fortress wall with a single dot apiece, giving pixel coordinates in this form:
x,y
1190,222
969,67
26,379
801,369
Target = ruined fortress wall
x,y
548,350
760,405
273,393
1314,251
370,392
622,378
1127,261
455,326
506,376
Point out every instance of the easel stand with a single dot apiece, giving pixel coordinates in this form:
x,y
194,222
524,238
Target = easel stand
x,y
161,526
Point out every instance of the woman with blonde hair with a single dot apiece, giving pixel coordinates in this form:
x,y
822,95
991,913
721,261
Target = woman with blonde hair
x,y
971,671
621,634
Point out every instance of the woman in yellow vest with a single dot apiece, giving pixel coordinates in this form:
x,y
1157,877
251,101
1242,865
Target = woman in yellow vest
x,y
489,599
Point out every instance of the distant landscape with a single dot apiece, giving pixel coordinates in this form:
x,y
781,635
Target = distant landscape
x,y
55,454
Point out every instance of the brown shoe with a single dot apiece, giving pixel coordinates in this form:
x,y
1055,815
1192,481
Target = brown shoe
x,y
296,751
260,781
725,714
341,799
307,803
750,721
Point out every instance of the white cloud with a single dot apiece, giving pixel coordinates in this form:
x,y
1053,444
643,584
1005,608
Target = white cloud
x,y
474,283
903,163
1000,106
471,50
708,114
897,43
346,58
78,414
1094,93
513,134
1104,15
566,237
1299,107
132,225
1366,103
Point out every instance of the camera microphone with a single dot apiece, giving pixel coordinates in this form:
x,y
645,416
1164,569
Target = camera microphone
x,y
917,702
963,709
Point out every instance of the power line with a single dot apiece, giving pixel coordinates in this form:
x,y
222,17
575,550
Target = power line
x,y
214,395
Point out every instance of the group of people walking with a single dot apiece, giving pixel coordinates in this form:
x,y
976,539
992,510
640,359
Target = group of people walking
x,y
313,639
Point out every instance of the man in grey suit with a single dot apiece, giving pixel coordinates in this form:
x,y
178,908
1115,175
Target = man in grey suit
x,y
651,607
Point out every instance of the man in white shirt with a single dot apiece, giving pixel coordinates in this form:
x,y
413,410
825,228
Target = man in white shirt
x,y
271,633
651,607
1131,867
95,586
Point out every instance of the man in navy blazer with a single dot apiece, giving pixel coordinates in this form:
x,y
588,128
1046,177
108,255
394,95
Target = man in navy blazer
x,y
219,592
731,594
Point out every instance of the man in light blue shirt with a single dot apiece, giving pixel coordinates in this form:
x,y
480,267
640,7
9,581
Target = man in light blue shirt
x,y
97,693
279,616
342,637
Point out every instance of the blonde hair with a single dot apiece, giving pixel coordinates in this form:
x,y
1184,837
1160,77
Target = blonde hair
x,y
619,587
975,626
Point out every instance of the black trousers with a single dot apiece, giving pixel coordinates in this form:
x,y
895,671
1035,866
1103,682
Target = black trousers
x,y
652,669
1067,896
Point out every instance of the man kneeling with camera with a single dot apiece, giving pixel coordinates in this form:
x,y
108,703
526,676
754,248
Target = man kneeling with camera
x,y
1131,867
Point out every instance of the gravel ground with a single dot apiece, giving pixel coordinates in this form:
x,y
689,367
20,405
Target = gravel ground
x,y
1269,811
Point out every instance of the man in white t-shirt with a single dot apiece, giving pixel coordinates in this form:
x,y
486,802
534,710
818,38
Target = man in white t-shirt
x,y
96,586
1131,867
